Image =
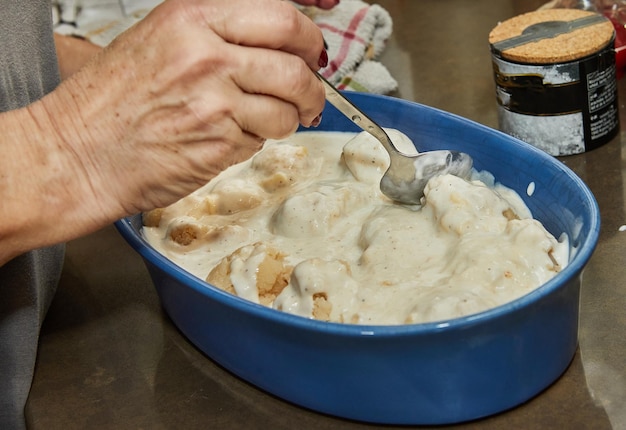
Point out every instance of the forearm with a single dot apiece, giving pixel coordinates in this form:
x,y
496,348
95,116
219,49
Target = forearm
x,y
41,191
73,53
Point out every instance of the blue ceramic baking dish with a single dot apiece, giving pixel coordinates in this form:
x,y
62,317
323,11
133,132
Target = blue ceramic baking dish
x,y
436,373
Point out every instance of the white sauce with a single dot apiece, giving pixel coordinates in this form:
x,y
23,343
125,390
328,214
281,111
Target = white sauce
x,y
315,200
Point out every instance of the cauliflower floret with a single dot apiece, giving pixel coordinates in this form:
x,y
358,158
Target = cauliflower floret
x,y
320,289
314,213
368,160
255,272
281,165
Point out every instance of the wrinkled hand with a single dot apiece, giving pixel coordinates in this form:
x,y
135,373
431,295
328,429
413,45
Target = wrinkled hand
x,y
193,88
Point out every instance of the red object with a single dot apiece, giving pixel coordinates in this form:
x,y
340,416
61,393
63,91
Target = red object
x,y
620,48
618,18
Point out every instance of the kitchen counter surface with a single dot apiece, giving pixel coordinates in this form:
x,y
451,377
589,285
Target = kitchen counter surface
x,y
111,359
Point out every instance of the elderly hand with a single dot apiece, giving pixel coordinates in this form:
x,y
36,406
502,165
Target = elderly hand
x,y
191,89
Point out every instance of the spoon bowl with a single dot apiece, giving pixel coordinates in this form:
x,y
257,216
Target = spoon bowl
x,y
407,175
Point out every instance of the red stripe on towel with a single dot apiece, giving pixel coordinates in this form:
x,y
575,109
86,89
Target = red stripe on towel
x,y
349,36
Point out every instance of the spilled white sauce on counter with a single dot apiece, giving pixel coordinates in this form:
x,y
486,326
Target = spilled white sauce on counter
x,y
303,227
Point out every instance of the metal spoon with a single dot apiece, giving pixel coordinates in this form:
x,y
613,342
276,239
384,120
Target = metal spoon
x,y
407,175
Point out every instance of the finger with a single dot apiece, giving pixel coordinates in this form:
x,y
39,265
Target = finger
x,y
266,116
282,76
267,24
235,111
193,166
209,158
201,159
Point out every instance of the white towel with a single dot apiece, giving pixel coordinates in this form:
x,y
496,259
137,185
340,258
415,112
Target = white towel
x,y
356,34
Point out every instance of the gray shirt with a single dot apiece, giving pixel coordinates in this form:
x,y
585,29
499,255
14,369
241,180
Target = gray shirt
x,y
28,70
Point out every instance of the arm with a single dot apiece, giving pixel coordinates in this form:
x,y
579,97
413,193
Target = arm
x,y
35,185
193,88
73,53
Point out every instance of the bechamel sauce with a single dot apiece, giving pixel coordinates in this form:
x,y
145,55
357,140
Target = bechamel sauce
x,y
315,199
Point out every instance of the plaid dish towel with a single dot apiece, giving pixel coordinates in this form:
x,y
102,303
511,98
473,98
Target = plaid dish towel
x,y
356,34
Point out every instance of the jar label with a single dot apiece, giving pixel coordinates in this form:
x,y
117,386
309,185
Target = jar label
x,y
587,87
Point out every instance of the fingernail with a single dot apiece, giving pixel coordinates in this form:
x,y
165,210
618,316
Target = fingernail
x,y
316,121
323,61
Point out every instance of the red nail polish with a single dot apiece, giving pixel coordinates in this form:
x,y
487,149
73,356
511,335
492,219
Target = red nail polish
x,y
323,61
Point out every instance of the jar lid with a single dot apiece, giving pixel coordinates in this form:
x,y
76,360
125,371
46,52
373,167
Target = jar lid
x,y
550,36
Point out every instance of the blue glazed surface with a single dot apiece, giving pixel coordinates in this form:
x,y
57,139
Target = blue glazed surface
x,y
436,373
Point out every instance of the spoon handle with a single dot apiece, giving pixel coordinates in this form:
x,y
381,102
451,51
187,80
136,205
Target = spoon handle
x,y
357,116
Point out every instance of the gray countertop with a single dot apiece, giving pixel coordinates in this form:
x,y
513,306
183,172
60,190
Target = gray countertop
x,y
111,359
